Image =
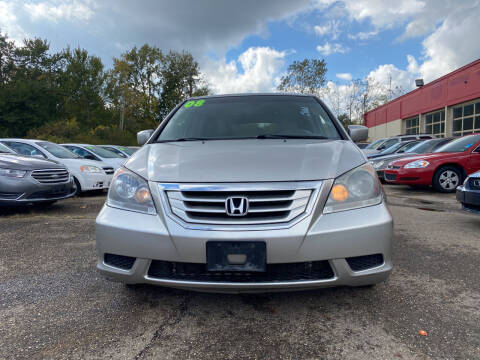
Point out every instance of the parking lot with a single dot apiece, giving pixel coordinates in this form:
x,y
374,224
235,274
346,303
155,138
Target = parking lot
x,y
53,304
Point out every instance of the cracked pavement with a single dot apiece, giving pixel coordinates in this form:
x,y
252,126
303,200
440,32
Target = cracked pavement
x,y
53,303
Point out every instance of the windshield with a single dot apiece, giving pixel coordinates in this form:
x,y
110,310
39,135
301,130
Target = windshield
x,y
128,150
460,145
375,144
97,150
5,150
392,149
254,116
57,150
425,146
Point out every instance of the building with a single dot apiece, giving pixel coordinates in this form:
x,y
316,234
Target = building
x,y
448,106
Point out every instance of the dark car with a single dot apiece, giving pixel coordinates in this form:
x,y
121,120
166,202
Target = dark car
x,y
469,193
398,148
423,147
26,179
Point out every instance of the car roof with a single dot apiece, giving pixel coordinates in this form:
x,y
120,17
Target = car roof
x,y
252,94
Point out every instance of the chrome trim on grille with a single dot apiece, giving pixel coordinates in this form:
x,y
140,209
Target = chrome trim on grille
x,y
51,176
108,170
273,205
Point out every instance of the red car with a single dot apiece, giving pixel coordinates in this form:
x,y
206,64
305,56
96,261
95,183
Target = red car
x,y
445,169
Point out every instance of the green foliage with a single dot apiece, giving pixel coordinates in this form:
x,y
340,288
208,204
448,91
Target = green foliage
x,y
69,97
307,76
345,120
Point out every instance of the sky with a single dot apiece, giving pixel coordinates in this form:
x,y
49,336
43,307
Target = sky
x,y
246,46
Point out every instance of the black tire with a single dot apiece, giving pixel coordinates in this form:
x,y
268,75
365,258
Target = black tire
x,y
78,191
447,178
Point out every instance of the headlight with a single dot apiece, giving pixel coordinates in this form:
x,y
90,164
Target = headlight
x,y
377,164
356,189
90,168
129,191
12,173
418,164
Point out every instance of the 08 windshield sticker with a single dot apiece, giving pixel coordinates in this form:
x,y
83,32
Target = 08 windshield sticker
x,y
194,103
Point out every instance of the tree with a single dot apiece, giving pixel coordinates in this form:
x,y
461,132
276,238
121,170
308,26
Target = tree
x,y
181,79
345,120
307,76
30,96
83,85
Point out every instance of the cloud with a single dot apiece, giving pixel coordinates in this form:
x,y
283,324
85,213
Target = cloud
x,y
54,11
344,76
9,22
363,35
330,28
328,49
256,70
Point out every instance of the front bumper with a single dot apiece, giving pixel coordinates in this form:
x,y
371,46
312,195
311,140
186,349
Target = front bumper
x,y
95,181
28,190
470,199
331,237
408,176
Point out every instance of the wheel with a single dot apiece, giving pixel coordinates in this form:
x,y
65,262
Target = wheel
x,y
446,179
78,191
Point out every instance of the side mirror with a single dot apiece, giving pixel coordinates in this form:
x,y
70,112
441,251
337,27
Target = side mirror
x,y
90,157
401,151
358,133
143,136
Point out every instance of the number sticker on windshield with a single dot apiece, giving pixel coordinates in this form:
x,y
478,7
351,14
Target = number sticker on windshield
x,y
194,103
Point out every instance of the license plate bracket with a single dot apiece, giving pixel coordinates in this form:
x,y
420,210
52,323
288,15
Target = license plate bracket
x,y
227,256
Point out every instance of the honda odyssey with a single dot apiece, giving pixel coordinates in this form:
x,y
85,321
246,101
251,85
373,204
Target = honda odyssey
x,y
247,193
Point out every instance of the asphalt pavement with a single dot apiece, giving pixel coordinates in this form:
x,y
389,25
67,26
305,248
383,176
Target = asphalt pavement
x,y
53,303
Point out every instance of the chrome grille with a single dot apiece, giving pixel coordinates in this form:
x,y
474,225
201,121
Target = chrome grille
x,y
269,203
108,170
51,176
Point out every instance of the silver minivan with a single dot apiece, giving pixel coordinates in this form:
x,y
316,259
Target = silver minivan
x,y
247,193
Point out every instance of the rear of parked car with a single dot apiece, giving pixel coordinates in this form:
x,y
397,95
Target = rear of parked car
x,y
246,193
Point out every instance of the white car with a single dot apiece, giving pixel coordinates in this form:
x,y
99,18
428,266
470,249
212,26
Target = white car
x,y
93,152
87,174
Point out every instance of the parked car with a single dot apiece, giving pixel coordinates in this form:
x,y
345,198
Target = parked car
x,y
247,193
96,153
385,143
87,174
469,193
423,147
362,145
398,148
26,179
122,151
445,169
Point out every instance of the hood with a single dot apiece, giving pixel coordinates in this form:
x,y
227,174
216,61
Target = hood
x,y
245,160
18,162
392,157
74,164
432,156
475,174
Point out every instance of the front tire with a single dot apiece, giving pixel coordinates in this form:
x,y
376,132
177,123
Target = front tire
x,y
447,178
78,191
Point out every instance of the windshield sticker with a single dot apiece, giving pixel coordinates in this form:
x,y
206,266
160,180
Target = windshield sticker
x,y
194,103
468,145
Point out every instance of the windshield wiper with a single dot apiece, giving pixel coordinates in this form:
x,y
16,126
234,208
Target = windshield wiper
x,y
280,136
185,139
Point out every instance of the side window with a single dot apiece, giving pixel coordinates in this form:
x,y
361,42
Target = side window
x,y
79,151
425,137
115,151
25,149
